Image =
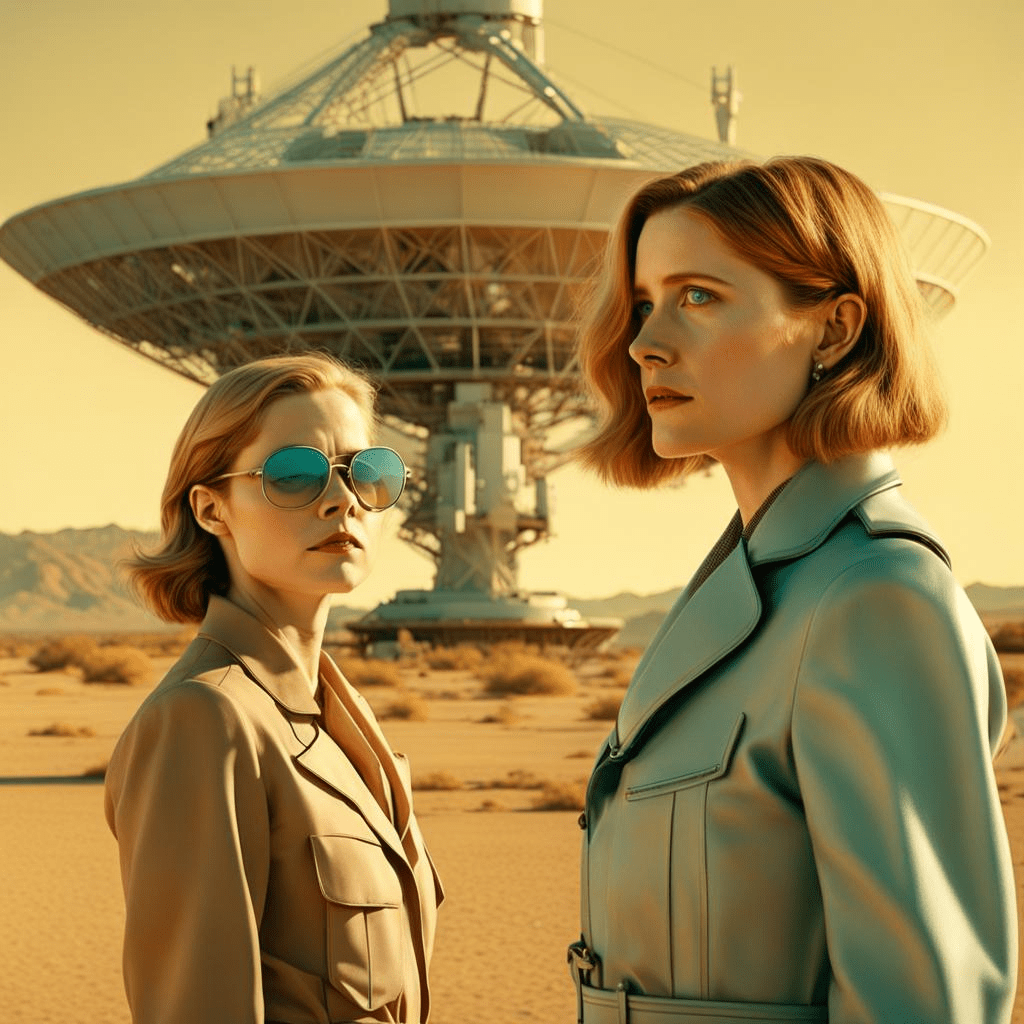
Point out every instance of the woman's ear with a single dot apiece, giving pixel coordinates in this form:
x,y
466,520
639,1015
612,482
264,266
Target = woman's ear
x,y
843,324
206,509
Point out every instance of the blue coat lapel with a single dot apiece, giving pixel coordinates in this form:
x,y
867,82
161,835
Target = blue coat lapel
x,y
700,630
709,622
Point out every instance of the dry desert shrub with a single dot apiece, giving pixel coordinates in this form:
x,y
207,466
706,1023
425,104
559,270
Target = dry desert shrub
x,y
371,672
561,796
410,707
49,691
1014,680
581,753
63,729
96,771
62,652
617,676
506,715
604,709
527,674
16,647
462,656
517,778
437,781
117,664
173,645
1009,638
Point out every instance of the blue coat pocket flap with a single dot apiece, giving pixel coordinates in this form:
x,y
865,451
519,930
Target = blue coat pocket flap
x,y
696,776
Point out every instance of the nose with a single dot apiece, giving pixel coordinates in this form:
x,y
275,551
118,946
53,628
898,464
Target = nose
x,y
646,350
338,496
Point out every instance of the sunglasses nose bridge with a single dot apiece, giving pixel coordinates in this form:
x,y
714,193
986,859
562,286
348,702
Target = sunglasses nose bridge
x,y
338,489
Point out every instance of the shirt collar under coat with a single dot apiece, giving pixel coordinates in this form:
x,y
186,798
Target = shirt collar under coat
x,y
709,621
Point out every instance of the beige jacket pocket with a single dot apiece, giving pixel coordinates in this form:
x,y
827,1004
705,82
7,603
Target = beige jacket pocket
x,y
365,920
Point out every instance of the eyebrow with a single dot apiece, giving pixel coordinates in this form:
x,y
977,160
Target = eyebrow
x,y
687,275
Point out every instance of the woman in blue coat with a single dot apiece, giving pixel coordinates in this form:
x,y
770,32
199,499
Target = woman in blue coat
x,y
795,817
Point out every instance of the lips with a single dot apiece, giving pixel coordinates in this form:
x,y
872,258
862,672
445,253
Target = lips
x,y
661,397
337,543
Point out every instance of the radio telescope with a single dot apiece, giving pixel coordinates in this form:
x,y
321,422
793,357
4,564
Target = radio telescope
x,y
426,204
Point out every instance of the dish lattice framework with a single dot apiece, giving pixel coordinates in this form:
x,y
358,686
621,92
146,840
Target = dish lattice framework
x,y
428,248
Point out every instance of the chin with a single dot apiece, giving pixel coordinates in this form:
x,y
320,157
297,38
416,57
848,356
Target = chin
x,y
673,448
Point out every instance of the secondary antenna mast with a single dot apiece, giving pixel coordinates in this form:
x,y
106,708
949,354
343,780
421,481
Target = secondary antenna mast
x,y
725,98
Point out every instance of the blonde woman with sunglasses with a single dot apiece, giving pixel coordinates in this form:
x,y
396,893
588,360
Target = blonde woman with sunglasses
x,y
272,865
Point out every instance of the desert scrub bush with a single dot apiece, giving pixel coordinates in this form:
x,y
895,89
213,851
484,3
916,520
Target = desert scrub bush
x,y
16,647
49,691
1013,678
527,674
410,707
1009,638
604,709
462,656
561,796
371,672
617,676
437,781
517,778
506,715
63,729
62,652
117,664
96,771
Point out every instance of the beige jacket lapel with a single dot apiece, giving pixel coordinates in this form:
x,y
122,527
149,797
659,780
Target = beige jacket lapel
x,y
359,717
270,664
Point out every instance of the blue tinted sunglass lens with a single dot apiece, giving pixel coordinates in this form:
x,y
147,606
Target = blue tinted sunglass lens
x,y
378,477
294,477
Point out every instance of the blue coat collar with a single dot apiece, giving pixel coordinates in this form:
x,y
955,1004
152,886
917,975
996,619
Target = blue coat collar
x,y
709,622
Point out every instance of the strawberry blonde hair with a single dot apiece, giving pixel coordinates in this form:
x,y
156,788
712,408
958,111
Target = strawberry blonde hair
x,y
177,579
821,233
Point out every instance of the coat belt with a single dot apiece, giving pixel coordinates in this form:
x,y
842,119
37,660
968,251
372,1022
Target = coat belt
x,y
619,1006
603,1006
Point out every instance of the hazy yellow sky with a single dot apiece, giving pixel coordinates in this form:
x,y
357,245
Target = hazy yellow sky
x,y
919,98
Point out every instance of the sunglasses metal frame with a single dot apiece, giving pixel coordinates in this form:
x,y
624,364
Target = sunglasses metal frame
x,y
342,462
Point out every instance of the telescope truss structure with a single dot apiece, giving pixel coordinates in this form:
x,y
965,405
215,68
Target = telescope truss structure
x,y
437,250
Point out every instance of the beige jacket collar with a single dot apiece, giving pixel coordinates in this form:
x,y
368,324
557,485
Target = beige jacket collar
x,y
263,656
269,663
709,622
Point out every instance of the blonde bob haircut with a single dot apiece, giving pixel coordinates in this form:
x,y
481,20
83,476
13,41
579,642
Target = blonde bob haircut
x,y
821,233
177,579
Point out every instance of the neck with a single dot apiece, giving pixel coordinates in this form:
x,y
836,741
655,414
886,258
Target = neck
x,y
301,629
756,471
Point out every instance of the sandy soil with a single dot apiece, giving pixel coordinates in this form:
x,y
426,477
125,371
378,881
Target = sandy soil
x,y
511,872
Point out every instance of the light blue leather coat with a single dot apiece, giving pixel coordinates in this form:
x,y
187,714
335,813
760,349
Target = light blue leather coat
x,y
795,816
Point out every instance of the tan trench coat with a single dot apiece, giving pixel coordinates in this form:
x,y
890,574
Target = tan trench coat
x,y
265,878
795,817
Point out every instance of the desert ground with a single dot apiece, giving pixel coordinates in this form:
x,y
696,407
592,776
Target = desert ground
x,y
480,764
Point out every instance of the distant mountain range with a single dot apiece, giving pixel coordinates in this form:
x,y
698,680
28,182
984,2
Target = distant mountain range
x,y
69,582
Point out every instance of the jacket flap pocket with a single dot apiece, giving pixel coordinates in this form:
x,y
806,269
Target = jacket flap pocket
x,y
354,871
696,776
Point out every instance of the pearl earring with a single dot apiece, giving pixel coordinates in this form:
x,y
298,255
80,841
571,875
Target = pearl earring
x,y
817,372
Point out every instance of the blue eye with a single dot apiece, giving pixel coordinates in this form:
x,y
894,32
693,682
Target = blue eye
x,y
697,297
644,308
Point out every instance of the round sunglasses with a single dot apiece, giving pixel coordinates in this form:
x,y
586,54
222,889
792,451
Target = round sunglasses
x,y
296,476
